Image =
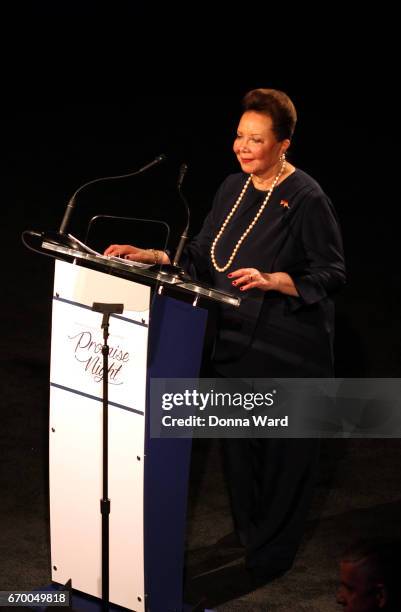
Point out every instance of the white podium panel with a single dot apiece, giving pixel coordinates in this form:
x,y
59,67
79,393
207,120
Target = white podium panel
x,y
76,432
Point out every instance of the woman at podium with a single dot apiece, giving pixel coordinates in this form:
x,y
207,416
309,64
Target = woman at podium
x,y
273,236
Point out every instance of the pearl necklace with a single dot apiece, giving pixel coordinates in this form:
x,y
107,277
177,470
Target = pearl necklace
x,y
250,226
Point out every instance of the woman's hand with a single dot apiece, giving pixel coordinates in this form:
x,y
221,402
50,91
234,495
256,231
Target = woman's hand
x,y
129,252
251,278
148,256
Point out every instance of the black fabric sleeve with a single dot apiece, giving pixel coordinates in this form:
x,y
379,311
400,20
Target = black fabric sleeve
x,y
323,247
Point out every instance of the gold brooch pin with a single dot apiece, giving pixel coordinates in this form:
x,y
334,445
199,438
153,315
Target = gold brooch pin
x,y
284,204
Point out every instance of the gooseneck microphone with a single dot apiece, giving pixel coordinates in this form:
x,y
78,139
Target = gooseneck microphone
x,y
71,203
184,236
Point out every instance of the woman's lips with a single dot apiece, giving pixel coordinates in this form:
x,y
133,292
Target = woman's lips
x,y
246,161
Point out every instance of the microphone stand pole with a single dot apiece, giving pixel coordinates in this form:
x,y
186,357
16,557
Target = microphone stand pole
x,y
184,237
71,204
106,310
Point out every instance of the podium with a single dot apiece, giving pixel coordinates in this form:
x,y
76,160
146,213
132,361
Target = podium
x,y
159,334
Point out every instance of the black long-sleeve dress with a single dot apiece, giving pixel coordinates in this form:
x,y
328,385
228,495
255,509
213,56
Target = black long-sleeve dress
x,y
273,335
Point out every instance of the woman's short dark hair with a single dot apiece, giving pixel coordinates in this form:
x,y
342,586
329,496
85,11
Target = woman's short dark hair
x,y
276,105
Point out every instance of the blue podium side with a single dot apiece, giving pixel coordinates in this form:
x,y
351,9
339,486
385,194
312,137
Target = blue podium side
x,y
176,337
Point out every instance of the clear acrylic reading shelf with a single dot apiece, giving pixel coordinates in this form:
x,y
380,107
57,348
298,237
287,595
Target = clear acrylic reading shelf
x,y
164,274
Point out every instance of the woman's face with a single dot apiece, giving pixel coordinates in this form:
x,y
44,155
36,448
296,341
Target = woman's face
x,y
256,146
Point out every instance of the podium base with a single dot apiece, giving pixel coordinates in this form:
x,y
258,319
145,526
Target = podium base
x,y
86,603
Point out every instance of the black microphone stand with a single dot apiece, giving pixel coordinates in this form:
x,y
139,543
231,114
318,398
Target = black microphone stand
x,y
71,204
107,310
184,236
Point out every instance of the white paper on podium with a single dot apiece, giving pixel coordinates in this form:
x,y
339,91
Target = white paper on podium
x,y
76,432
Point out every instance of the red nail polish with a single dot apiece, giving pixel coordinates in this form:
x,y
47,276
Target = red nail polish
x,y
229,275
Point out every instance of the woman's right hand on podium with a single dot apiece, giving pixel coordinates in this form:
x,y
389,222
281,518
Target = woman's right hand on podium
x,y
149,256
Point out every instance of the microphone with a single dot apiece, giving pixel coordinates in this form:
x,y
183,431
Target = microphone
x,y
181,175
71,203
184,236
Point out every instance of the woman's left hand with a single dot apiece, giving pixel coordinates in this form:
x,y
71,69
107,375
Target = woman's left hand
x,y
251,278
